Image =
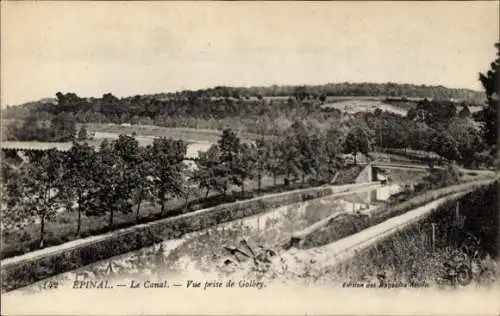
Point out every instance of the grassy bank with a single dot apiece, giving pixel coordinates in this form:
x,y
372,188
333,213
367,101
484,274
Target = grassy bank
x,y
349,224
413,255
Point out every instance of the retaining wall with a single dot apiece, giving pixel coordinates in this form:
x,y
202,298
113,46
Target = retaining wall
x,y
366,175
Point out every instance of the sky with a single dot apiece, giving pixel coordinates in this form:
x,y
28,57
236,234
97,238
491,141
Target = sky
x,y
129,48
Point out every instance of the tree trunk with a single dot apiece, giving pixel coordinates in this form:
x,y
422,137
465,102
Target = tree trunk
x,y
79,223
111,214
162,203
274,178
206,194
355,157
259,182
242,187
138,209
42,230
303,178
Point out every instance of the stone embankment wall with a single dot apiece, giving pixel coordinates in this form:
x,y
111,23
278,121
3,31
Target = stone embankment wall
x,y
366,175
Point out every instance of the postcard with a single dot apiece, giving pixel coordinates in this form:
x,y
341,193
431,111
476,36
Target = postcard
x,y
236,158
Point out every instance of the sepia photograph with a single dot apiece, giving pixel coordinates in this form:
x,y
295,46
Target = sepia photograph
x,y
260,157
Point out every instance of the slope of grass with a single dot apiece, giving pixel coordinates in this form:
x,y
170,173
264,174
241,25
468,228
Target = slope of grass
x,y
354,105
410,256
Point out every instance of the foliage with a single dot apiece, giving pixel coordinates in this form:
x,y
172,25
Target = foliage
x,y
39,194
489,115
61,128
79,180
211,174
245,163
167,156
111,188
142,179
469,140
82,133
445,145
357,141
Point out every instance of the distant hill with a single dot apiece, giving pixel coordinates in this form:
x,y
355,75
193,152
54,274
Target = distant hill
x,y
214,104
408,91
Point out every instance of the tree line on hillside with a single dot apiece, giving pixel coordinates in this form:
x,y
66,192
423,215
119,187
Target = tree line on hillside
x,y
460,138
121,175
348,89
220,102
453,137
431,126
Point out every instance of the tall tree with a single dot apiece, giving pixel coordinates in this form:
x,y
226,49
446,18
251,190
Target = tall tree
x,y
229,145
63,127
211,173
445,145
357,141
78,179
244,166
113,192
273,159
142,181
11,189
40,194
333,149
261,150
82,133
167,156
468,138
491,85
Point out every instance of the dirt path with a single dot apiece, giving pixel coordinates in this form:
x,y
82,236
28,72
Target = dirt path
x,y
347,247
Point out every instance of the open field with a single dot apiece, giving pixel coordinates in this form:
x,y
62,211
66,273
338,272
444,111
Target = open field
x,y
184,133
359,105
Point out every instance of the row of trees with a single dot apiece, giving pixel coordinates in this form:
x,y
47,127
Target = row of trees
x,y
121,175
222,102
113,179
457,138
